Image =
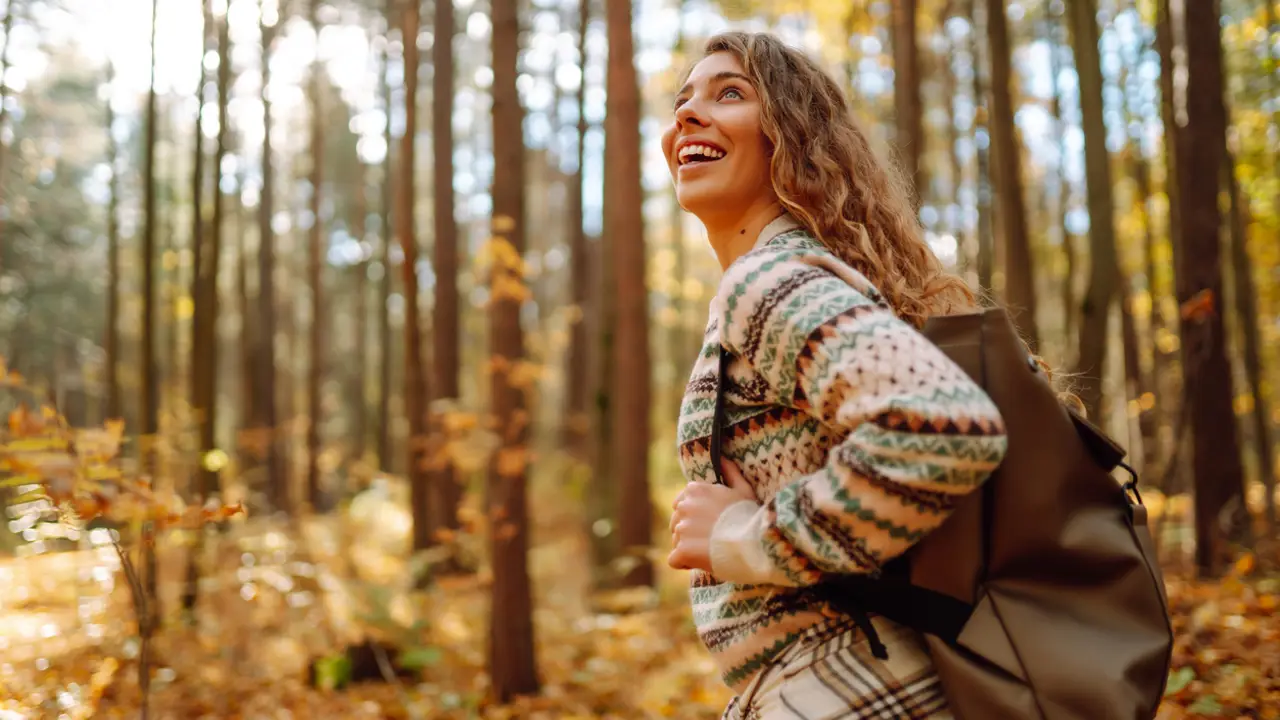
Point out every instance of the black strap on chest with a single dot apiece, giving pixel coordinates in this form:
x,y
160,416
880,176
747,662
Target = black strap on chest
x,y
888,593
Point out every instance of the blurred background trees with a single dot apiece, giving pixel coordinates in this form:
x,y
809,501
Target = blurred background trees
x,y
320,251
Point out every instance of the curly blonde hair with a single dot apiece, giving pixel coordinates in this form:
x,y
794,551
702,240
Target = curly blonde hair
x,y
826,174
830,179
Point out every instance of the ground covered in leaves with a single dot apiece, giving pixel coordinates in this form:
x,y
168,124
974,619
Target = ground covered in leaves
x,y
278,597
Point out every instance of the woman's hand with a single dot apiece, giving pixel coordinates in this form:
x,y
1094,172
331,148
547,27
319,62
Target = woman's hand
x,y
697,508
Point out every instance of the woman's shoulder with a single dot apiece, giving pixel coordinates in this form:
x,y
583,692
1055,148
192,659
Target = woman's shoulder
x,y
788,263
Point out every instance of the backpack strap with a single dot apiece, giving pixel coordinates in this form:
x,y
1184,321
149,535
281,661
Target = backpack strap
x,y
883,593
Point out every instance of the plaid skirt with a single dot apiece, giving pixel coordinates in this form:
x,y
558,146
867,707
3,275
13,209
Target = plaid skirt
x,y
829,673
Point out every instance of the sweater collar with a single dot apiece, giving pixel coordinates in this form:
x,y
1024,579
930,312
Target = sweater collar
x,y
783,223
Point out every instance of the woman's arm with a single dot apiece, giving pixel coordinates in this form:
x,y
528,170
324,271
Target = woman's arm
x,y
917,432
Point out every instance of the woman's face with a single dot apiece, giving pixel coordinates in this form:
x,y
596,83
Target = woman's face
x,y
716,150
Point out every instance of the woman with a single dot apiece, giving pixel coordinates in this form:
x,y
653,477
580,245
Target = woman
x,y
849,436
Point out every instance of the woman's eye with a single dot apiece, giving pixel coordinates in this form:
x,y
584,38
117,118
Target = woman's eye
x,y
731,91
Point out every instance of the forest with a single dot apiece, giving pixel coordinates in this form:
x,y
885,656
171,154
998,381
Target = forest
x,y
342,341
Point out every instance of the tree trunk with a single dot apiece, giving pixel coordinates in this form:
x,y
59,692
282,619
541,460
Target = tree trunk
x,y
415,376
631,347
359,225
906,97
113,409
1143,384
1246,302
510,649
1019,275
950,91
150,405
384,289
9,14
1069,305
1219,477
445,335
248,401
314,279
266,424
986,239
602,502
1095,311
577,418
198,253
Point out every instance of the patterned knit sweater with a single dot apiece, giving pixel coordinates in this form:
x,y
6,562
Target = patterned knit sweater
x,y
856,433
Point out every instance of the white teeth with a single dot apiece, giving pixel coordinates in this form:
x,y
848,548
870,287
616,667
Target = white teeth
x,y
704,150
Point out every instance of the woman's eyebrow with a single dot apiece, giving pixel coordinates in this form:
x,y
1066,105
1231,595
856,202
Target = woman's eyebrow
x,y
718,77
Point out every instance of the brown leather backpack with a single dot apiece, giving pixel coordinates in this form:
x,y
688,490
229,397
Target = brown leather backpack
x,y
1040,597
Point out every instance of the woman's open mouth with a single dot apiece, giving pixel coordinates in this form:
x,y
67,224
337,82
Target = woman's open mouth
x,y
695,154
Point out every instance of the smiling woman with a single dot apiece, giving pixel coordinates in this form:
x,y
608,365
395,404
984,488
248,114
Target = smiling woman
x,y
820,432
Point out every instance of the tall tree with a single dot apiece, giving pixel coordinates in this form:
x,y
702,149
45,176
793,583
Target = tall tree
x,y
10,12
981,125
577,422
112,341
1207,387
446,490
205,291
510,647
264,339
906,96
149,424
315,262
384,287
198,249
415,376
1019,277
1054,31
631,346
360,227
1246,303
1095,311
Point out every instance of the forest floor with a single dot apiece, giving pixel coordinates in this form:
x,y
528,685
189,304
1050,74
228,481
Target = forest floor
x,y
282,597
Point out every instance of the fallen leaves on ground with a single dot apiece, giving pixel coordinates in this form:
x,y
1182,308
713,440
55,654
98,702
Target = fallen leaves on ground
x,y
275,598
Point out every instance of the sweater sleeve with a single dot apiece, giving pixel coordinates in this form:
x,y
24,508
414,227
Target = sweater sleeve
x,y
916,432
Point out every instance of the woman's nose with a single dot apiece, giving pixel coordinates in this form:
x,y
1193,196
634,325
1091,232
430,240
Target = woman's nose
x,y
689,113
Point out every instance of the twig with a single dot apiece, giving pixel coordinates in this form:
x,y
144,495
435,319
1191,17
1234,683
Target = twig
x,y
143,613
388,674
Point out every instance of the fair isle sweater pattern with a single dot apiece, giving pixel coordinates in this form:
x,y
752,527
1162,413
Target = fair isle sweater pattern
x,y
856,433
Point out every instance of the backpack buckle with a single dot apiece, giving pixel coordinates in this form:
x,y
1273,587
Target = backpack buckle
x,y
1131,487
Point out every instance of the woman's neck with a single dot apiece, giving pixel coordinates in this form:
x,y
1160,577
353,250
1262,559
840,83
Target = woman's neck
x,y
733,236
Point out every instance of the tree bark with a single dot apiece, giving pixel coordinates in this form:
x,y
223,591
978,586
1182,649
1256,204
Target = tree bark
x,y
1069,305
266,422
359,225
384,289
198,250
1095,311
1019,270
906,96
1246,302
631,348
577,418
415,376
113,409
149,424
314,278
986,239
445,334
1208,393
510,647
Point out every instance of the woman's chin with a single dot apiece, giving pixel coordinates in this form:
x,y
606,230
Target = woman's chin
x,y
700,201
